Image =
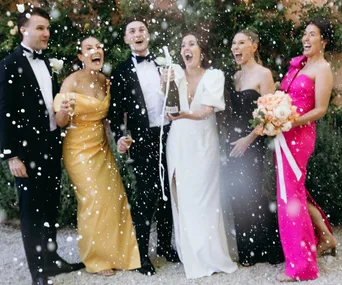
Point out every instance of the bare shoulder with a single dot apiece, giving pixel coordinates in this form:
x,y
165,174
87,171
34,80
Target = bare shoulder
x,y
325,67
263,71
70,82
265,80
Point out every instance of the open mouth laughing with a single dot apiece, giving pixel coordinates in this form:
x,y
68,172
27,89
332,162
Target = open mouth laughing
x,y
188,56
238,56
96,59
307,46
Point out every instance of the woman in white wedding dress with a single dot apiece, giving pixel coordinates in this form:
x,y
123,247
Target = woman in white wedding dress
x,y
193,164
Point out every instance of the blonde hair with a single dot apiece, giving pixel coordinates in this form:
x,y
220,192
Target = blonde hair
x,y
254,38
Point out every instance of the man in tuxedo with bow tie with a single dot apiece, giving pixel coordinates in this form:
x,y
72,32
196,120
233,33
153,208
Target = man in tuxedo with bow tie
x,y
30,141
135,90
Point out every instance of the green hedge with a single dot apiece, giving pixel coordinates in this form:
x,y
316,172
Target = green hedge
x,y
280,40
324,179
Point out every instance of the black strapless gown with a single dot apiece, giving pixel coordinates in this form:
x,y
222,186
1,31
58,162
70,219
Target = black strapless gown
x,y
255,224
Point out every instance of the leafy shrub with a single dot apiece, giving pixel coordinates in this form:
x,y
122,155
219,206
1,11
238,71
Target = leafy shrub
x,y
280,40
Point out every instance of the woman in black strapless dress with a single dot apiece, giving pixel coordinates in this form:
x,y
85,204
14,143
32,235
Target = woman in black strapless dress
x,y
255,218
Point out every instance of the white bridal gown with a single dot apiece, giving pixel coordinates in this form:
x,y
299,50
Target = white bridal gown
x,y
193,155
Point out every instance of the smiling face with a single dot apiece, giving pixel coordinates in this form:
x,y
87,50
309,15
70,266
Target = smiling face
x,y
36,33
243,48
137,37
92,54
191,52
312,41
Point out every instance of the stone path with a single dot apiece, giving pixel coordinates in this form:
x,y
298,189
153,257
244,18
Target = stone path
x,y
14,269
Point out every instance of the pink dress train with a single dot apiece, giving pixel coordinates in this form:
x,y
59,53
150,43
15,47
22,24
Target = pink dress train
x,y
295,225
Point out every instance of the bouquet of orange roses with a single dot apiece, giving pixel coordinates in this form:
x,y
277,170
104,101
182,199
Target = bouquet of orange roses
x,y
275,114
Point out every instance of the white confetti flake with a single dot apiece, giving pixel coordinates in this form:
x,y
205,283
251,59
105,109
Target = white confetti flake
x,y
51,246
20,8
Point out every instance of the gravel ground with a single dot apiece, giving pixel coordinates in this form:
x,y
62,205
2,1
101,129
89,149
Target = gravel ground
x,y
14,269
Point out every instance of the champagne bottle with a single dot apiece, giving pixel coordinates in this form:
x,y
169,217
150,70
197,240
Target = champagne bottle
x,y
172,103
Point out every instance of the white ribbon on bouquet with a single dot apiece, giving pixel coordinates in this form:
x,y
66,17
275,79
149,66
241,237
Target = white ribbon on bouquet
x,y
281,145
161,166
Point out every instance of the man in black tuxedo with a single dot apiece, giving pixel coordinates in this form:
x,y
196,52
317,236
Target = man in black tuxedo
x,y
30,141
135,90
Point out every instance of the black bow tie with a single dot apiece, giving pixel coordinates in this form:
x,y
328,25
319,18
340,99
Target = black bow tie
x,y
36,55
140,59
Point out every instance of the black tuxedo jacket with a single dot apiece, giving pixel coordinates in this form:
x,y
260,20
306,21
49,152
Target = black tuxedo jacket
x,y
24,119
127,96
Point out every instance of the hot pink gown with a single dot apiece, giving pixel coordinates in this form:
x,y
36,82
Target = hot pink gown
x,y
296,229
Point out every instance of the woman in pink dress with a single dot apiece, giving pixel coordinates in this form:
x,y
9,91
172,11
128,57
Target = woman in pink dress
x,y
309,83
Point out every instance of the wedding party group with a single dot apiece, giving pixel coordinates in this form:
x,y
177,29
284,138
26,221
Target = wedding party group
x,y
43,124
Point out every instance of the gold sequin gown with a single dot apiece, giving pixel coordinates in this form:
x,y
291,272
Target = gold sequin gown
x,y
107,237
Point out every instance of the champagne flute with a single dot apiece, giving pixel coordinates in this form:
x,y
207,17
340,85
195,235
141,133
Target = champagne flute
x,y
72,103
128,140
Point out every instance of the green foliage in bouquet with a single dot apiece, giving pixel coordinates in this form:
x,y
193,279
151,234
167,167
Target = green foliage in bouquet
x,y
218,21
258,119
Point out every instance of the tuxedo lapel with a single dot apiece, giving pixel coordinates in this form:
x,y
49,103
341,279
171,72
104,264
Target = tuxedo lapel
x,y
28,72
53,76
30,76
135,86
47,62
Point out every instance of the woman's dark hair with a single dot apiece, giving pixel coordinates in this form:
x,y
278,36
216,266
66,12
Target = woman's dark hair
x,y
22,19
327,31
203,44
77,64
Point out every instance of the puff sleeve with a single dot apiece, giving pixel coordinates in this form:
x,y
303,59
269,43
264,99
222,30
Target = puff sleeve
x,y
213,90
179,73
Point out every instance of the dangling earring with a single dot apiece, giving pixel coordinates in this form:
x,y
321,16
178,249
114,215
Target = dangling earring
x,y
82,64
202,57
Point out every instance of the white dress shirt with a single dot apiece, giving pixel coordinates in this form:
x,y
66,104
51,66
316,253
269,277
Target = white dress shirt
x,y
45,83
149,79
